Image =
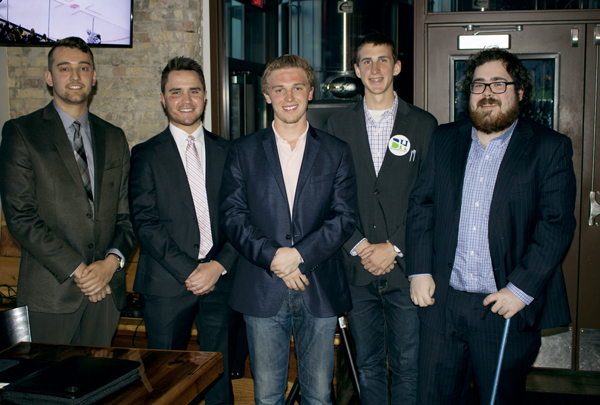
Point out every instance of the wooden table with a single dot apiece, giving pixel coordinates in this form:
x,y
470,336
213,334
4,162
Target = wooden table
x,y
167,377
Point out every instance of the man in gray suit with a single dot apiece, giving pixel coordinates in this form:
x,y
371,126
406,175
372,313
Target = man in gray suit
x,y
63,180
389,139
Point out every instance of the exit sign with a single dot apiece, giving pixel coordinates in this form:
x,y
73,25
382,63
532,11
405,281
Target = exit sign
x,y
257,3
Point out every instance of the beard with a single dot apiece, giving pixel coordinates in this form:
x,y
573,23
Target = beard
x,y
484,121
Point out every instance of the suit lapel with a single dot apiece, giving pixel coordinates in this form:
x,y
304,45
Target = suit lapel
x,y
270,147
99,142
458,159
364,160
517,151
401,122
54,126
311,151
169,157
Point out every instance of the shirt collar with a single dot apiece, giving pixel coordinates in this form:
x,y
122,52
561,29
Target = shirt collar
x,y
279,138
505,137
67,120
181,136
391,111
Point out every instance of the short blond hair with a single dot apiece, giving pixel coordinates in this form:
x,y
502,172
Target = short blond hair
x,y
288,61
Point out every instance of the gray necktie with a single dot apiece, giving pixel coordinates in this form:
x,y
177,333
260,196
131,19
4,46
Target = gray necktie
x,y
82,160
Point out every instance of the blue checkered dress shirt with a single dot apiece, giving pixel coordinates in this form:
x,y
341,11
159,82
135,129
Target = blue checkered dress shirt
x,y
473,269
380,132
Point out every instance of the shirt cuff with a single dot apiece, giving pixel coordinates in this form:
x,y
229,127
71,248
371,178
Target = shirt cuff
x,y
118,253
519,293
72,274
417,275
353,251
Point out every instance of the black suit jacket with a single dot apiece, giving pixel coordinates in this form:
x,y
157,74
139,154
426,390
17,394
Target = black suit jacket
x,y
382,199
48,213
531,221
164,218
255,215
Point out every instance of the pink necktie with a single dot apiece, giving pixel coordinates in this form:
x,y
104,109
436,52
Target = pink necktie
x,y
198,188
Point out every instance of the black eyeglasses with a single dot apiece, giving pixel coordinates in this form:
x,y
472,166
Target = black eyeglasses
x,y
495,87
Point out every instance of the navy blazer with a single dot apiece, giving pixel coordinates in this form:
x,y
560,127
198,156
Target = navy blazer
x,y
164,218
255,215
531,221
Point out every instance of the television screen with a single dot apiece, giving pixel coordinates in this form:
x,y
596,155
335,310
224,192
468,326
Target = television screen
x,y
41,22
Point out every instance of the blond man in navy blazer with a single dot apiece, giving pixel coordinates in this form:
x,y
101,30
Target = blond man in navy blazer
x,y
289,203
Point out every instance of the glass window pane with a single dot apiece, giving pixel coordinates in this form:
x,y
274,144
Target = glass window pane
x,y
509,5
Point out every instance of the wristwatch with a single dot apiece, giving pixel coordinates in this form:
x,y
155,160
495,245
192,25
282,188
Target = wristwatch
x,y
397,250
120,259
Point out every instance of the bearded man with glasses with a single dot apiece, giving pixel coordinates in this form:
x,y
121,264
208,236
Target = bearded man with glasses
x,y
490,219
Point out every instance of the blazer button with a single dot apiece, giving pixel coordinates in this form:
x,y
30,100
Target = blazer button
x,y
288,237
88,216
376,192
196,246
374,226
451,265
91,245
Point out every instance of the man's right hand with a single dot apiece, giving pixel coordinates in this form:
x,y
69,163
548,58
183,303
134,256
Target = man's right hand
x,y
101,295
421,290
296,280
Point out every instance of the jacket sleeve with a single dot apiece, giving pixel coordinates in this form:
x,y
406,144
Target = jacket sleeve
x,y
357,235
249,240
124,238
556,223
20,204
420,218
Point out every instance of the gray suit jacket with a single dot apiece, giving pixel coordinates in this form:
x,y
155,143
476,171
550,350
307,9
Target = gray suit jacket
x,y
382,199
48,213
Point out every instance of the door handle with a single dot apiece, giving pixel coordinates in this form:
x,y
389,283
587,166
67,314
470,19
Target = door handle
x,y
594,209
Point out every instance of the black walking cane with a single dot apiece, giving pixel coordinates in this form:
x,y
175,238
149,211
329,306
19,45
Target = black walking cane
x,y
499,365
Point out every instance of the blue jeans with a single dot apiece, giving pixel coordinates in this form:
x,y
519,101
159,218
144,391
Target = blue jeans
x,y
269,346
385,327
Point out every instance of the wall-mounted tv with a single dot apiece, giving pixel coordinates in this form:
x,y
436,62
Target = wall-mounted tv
x,y
42,22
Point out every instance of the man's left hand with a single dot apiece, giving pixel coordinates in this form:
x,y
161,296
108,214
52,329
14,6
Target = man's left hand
x,y
378,258
286,261
203,279
507,304
97,276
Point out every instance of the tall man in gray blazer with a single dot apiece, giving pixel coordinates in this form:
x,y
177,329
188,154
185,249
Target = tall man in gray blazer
x,y
63,180
389,139
186,265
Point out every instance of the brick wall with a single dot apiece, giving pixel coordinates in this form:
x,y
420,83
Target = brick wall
x,y
128,88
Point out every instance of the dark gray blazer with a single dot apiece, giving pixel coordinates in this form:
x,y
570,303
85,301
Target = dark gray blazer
x,y
48,213
164,217
531,221
383,199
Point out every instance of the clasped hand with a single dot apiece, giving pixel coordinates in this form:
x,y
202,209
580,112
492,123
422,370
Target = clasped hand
x,y
285,266
93,280
377,258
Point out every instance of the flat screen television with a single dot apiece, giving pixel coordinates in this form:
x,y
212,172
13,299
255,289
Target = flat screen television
x,y
103,23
